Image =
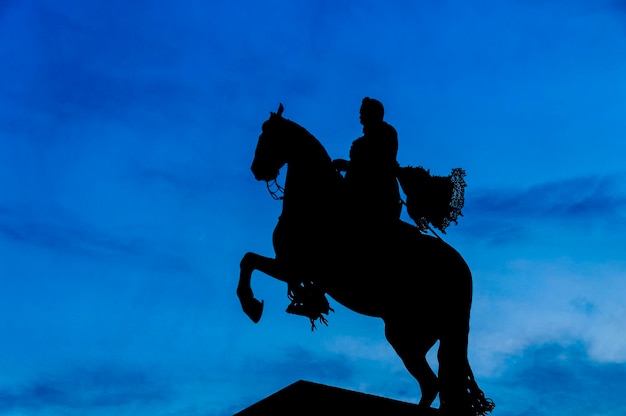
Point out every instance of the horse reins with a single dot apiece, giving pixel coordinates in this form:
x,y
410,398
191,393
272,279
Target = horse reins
x,y
402,202
275,193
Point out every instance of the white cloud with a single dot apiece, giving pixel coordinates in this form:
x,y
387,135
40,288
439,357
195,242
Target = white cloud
x,y
361,348
559,301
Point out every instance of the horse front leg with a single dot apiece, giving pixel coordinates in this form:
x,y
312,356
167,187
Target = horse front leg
x,y
249,263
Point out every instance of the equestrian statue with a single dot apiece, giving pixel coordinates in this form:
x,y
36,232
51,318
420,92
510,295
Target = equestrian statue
x,y
342,236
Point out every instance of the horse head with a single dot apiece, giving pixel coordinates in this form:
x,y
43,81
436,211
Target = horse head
x,y
270,154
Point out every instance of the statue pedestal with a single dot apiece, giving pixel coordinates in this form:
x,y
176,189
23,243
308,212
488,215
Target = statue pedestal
x,y
307,398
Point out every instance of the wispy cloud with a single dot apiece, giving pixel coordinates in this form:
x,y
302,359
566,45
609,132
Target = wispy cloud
x,y
508,215
286,367
113,68
87,390
555,380
563,300
585,198
66,234
299,363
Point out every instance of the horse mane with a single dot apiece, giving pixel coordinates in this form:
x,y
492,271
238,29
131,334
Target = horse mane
x,y
297,128
294,130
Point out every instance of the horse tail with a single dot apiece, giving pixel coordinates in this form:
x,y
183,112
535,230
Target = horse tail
x,y
479,404
459,391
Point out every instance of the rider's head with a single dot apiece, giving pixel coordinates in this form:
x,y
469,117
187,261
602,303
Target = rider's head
x,y
372,111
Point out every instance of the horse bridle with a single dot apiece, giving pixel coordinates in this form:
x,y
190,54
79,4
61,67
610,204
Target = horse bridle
x,y
278,193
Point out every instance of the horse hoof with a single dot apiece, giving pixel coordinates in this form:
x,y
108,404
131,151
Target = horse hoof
x,y
253,308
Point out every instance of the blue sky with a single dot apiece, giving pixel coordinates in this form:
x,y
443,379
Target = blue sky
x,y
126,134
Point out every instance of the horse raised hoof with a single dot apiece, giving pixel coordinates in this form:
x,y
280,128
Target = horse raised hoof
x,y
253,308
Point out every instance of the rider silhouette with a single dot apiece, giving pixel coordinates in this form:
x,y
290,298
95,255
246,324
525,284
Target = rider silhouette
x,y
371,188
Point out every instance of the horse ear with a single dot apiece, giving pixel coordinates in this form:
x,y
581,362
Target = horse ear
x,y
279,113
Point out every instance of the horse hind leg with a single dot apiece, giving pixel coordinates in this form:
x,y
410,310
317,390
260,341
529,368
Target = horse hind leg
x,y
453,365
412,349
460,393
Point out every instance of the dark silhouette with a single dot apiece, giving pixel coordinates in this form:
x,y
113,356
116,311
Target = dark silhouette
x,y
420,286
307,398
370,188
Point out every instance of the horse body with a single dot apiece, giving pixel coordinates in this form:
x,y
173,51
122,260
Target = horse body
x,y
419,285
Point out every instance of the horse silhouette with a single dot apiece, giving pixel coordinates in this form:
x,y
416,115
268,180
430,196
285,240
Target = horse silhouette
x,y
417,284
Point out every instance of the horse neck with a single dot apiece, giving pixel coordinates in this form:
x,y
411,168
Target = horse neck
x,y
310,178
